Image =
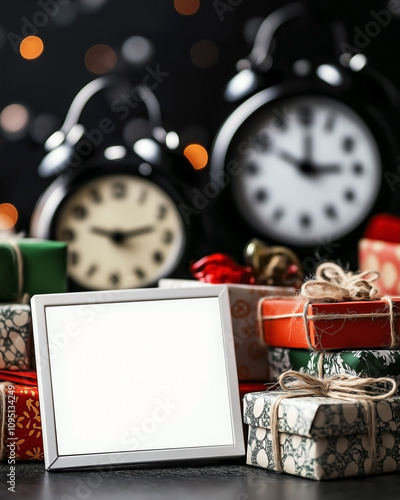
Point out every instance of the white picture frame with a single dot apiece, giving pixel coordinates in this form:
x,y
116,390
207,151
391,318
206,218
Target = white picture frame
x,y
136,377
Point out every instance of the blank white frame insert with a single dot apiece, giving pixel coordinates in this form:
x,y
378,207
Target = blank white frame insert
x,y
136,376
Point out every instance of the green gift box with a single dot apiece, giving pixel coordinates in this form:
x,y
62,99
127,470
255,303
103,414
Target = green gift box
x,y
44,267
15,336
370,363
322,438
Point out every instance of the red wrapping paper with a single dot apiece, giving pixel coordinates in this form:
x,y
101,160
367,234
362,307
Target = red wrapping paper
x,y
334,333
21,437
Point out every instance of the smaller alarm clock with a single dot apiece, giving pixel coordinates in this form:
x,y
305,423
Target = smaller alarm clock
x,y
120,213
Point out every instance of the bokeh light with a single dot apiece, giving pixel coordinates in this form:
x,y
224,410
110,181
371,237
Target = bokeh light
x,y
42,126
197,155
100,59
187,7
137,50
31,47
66,15
91,5
8,216
14,118
204,54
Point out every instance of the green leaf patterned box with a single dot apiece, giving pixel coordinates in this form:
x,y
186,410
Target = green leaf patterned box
x,y
371,363
322,438
15,335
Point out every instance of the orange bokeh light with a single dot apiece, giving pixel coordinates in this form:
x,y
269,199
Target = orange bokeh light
x,y
197,155
31,47
187,7
8,216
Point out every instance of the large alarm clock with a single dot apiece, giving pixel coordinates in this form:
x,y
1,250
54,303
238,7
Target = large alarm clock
x,y
119,211
304,155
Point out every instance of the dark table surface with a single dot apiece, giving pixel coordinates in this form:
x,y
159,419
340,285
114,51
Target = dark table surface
x,y
233,481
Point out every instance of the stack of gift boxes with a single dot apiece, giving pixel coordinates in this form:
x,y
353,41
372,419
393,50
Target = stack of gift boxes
x,y
315,431
27,267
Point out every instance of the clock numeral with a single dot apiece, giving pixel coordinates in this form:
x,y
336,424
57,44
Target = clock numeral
x,y
330,212
79,212
262,141
261,195
162,212
251,168
348,144
358,169
168,236
143,196
73,258
279,122
158,257
92,270
330,122
305,221
118,189
139,273
278,214
115,279
349,195
67,235
95,195
305,116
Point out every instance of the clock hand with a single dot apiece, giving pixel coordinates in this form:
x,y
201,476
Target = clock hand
x,y
308,148
118,236
327,169
138,232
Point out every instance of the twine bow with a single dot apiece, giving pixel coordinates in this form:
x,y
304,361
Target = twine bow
x,y
345,387
334,284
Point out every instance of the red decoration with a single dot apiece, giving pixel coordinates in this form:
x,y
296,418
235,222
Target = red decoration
x,y
219,268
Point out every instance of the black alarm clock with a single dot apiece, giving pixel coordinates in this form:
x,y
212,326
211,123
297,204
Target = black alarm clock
x,y
305,152
118,208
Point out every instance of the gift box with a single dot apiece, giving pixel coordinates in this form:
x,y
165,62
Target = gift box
x,y
15,336
21,428
251,354
322,438
330,325
380,249
369,363
44,266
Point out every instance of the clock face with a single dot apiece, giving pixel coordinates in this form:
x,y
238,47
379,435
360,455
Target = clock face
x,y
122,232
308,173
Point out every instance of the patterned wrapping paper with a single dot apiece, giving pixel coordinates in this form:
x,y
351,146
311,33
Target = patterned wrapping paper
x,y
322,438
251,354
370,363
27,433
15,336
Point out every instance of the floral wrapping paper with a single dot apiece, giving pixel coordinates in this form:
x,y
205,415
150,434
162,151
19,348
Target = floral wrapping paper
x,y
321,438
27,433
369,363
251,353
15,336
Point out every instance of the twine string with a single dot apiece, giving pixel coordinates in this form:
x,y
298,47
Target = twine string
x,y
336,285
344,387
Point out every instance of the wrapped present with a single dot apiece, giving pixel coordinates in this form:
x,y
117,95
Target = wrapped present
x,y
251,354
369,363
380,249
324,437
20,377
21,428
31,266
337,310
15,336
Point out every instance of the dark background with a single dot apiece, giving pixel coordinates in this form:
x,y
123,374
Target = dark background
x,y
190,96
